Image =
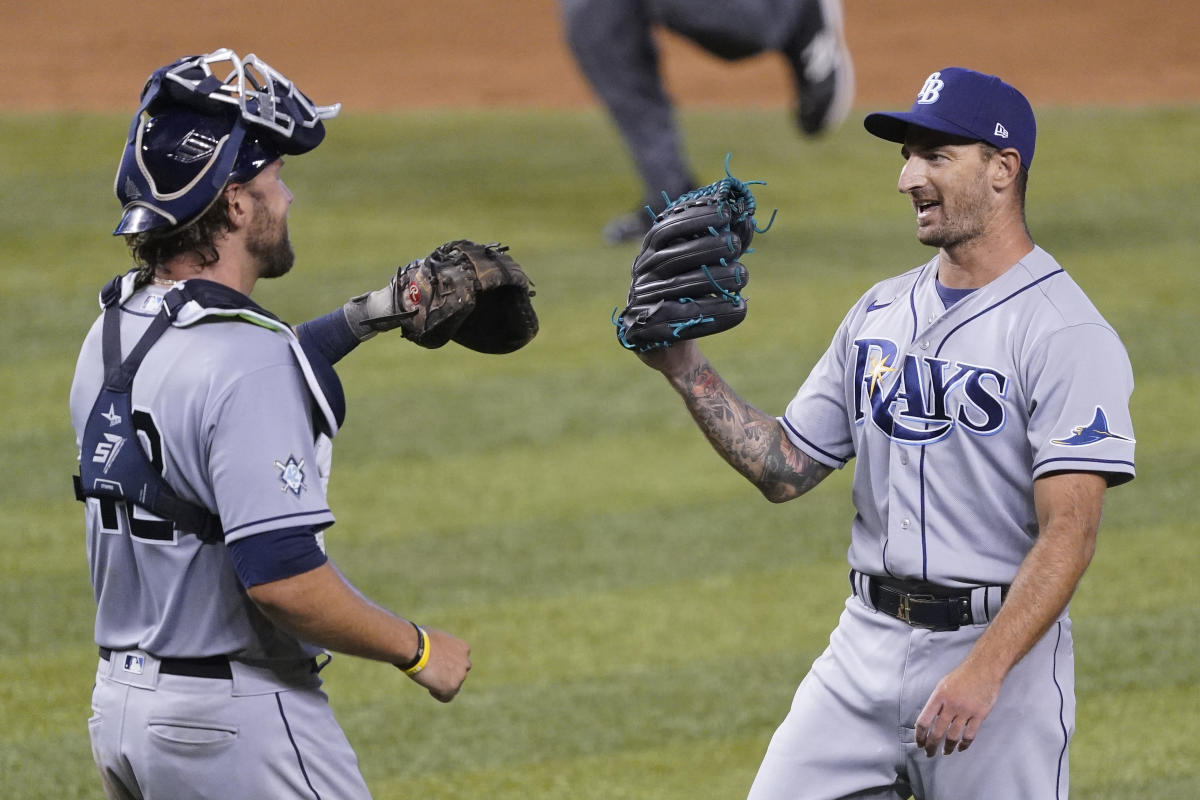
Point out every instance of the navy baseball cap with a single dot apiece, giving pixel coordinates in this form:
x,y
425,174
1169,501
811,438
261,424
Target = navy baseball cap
x,y
965,103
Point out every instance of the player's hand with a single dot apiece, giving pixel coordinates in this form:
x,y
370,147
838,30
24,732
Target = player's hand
x,y
449,663
957,707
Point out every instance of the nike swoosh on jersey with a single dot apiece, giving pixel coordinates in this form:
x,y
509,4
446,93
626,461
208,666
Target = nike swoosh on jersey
x,y
874,306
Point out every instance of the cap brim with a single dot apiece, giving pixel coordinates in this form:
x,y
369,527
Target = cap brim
x,y
893,126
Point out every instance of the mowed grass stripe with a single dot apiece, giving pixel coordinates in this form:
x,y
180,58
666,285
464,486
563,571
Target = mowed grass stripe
x,y
722,767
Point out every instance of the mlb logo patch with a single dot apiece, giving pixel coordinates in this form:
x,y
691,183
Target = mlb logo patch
x,y
134,664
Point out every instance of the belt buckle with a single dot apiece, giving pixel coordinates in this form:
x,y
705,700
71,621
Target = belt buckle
x,y
904,611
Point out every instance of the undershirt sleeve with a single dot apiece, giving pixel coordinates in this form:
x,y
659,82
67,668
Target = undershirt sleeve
x,y
330,335
276,555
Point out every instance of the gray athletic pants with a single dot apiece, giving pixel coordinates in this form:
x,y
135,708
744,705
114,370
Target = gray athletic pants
x,y
611,40
850,732
261,735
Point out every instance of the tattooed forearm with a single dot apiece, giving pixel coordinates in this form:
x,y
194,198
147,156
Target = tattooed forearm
x,y
751,441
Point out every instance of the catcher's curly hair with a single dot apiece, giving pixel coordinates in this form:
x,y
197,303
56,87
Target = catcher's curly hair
x,y
153,248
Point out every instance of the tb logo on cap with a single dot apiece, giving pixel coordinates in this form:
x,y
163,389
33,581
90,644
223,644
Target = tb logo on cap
x,y
932,90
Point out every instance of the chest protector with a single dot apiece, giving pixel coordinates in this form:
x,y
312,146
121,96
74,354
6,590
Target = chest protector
x,y
113,465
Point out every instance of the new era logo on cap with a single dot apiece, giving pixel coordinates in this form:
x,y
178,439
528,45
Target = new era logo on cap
x,y
963,102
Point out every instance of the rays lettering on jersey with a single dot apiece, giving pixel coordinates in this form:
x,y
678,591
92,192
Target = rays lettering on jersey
x,y
921,399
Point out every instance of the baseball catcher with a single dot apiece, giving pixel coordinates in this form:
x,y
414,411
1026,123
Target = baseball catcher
x,y
687,281
214,423
473,294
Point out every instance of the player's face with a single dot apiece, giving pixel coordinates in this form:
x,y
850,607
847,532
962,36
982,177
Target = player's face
x,y
947,179
267,239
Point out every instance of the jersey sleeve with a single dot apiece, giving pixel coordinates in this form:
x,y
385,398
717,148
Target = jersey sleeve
x,y
1080,384
816,420
262,460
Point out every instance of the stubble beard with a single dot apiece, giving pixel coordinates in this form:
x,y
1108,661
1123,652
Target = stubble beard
x,y
270,245
967,219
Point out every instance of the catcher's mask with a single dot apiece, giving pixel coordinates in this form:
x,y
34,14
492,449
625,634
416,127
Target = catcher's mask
x,y
194,132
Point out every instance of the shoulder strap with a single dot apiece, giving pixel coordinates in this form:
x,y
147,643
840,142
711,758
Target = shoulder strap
x,y
118,375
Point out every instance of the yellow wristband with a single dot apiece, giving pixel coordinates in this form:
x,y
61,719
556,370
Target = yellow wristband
x,y
423,649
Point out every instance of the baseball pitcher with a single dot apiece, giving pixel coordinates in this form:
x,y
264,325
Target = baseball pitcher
x,y
985,403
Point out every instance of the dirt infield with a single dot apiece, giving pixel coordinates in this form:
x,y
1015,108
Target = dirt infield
x,y
383,55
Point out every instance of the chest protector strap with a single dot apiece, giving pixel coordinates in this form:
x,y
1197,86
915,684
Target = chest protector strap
x,y
112,463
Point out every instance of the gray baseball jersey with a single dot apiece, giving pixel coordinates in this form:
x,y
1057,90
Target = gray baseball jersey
x,y
228,413
951,414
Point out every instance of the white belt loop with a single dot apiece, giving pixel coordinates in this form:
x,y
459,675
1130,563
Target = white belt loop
x,y
861,587
270,677
985,603
132,668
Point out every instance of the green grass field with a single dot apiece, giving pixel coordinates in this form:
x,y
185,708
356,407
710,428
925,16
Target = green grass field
x,y
639,616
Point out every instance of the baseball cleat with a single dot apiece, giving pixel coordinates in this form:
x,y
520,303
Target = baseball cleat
x,y
822,68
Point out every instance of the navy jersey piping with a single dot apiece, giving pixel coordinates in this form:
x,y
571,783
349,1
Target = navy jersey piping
x,y
276,519
801,437
924,542
1062,753
295,747
912,306
1089,460
999,302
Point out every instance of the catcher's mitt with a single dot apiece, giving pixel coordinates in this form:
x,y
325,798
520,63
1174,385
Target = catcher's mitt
x,y
503,319
687,281
471,293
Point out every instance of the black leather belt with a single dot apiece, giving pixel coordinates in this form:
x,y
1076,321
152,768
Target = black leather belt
x,y
922,605
210,667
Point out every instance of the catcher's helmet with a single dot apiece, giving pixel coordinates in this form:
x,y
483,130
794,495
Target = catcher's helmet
x,y
195,132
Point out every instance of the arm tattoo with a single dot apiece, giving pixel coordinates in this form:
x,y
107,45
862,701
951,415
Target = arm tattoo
x,y
752,442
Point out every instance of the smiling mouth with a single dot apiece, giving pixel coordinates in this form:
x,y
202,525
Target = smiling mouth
x,y
925,207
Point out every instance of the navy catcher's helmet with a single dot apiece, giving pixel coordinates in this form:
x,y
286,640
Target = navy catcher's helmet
x,y
195,132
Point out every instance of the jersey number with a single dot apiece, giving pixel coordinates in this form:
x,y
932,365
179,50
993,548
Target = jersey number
x,y
141,524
